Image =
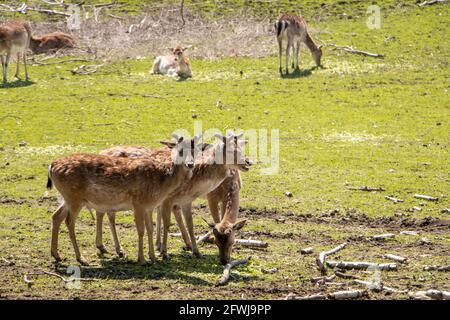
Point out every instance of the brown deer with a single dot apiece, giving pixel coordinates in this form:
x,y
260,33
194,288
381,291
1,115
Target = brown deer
x,y
225,224
210,170
173,65
51,42
293,28
109,184
14,40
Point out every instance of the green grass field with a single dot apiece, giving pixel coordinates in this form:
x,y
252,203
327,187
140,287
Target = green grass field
x,y
358,121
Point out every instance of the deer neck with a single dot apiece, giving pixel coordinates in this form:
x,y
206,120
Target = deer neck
x,y
312,46
231,202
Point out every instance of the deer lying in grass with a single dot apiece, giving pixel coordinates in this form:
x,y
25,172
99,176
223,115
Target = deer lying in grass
x,y
109,184
51,42
14,40
173,65
293,28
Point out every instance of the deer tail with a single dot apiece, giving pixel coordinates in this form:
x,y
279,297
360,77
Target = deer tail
x,y
49,178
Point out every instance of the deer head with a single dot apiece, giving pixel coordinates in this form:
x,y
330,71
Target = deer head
x,y
224,235
317,55
229,151
183,150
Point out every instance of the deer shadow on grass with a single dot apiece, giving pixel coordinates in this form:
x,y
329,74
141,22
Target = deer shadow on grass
x,y
18,83
298,73
179,267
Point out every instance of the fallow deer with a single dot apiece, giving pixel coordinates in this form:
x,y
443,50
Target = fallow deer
x,y
292,28
14,40
173,65
210,170
51,42
109,184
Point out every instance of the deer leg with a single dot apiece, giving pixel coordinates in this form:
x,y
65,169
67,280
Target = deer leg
x,y
187,213
17,66
158,228
166,208
99,232
57,218
280,54
139,219
297,54
155,67
293,56
25,65
177,214
71,218
112,225
289,44
149,226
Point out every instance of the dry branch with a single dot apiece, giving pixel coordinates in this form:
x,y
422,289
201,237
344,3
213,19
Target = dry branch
x,y
312,297
308,250
395,258
433,294
384,236
429,3
23,8
366,188
348,294
393,199
437,268
350,49
361,265
251,243
204,238
84,70
409,233
378,286
421,196
345,276
40,273
321,259
227,270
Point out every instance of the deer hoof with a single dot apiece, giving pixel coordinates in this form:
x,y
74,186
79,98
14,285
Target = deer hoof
x,y
83,261
121,253
102,249
198,255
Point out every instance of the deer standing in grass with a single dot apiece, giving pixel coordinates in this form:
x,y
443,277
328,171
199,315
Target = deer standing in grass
x,y
292,28
109,184
204,180
14,40
51,42
176,64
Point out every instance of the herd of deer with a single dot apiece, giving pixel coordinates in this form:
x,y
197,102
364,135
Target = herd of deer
x,y
168,179
16,38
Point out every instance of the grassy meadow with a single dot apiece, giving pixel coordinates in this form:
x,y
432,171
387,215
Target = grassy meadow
x,y
358,121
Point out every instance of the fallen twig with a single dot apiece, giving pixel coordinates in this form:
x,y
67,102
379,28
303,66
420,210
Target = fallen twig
x,y
348,294
40,273
308,250
366,188
409,233
227,270
384,236
395,258
437,268
429,3
321,259
312,297
433,294
251,243
345,276
350,49
393,199
84,70
378,286
323,279
204,237
421,196
361,265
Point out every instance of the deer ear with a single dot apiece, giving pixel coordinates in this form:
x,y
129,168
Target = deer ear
x,y
211,225
170,49
239,225
320,47
169,144
243,142
220,137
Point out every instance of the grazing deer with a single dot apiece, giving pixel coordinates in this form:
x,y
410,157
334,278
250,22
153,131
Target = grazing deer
x,y
109,184
225,225
173,65
213,167
51,42
14,40
292,27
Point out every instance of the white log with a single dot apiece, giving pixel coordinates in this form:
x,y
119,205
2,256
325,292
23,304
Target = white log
x,y
437,268
251,243
384,236
361,265
312,297
227,270
433,294
395,258
347,294
421,196
431,2
409,233
204,238
321,259
393,199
